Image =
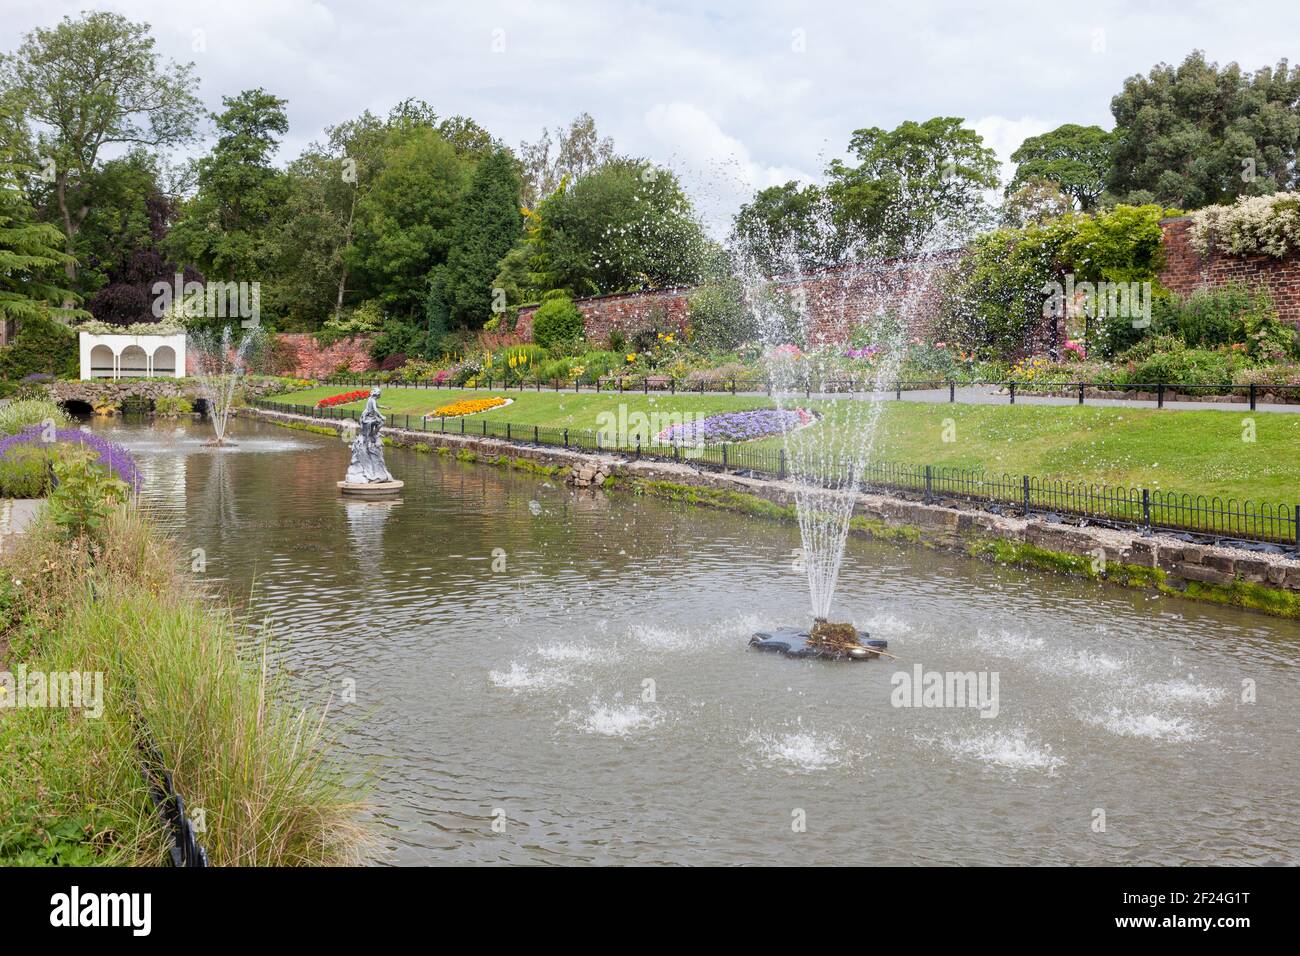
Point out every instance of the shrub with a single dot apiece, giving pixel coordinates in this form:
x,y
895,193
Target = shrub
x,y
718,317
1183,367
42,346
1253,225
25,473
85,494
173,406
19,415
557,320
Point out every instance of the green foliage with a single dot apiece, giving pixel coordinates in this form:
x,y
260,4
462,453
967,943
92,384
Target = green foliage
x,y
84,495
487,225
1123,244
557,321
718,318
30,256
42,346
1075,158
173,406
1198,134
1178,365
404,221
91,84
224,230
25,472
365,319
25,413
626,225
1229,315
915,187
787,229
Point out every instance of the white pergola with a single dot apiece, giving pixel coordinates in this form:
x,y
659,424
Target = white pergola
x,y
132,356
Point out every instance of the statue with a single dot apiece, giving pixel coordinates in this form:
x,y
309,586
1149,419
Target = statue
x,y
367,473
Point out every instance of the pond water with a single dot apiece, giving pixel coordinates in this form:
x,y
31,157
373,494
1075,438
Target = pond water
x,y
595,698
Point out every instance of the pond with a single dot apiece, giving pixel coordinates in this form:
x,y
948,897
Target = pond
x,y
550,676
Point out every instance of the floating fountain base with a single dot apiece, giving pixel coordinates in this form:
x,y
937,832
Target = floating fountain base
x,y
825,641
371,489
220,443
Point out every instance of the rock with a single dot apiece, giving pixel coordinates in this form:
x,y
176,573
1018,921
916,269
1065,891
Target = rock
x,y
1196,572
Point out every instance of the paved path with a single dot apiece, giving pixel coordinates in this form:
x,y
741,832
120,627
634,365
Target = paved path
x,y
15,515
974,395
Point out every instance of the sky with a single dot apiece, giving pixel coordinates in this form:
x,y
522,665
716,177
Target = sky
x,y
734,97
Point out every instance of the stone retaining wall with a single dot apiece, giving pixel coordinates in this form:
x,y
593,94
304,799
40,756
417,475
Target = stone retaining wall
x,y
1169,564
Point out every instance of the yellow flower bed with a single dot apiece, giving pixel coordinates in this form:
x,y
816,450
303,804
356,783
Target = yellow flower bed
x,y
467,406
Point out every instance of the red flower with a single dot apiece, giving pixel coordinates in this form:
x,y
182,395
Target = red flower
x,y
343,399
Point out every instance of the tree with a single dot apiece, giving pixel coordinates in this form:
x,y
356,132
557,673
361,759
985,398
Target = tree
x,y
786,229
626,225
1196,135
121,245
1036,201
487,225
1075,158
31,255
571,155
224,230
92,83
403,227
918,186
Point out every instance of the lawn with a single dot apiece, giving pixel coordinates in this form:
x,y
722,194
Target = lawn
x,y
1200,452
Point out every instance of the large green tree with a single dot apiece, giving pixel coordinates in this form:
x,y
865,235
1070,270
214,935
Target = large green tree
x,y
224,229
785,229
1076,158
917,186
487,225
403,222
31,257
85,86
1197,134
626,225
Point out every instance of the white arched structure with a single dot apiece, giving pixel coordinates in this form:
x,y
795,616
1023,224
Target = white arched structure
x,y
132,356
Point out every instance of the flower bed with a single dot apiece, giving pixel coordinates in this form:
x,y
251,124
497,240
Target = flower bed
x,y
468,406
738,426
344,399
111,455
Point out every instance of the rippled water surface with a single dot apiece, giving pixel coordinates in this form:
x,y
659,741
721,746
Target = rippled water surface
x,y
599,694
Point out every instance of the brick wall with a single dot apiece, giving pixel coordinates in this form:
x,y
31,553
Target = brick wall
x,y
628,312
299,355
837,300
1186,271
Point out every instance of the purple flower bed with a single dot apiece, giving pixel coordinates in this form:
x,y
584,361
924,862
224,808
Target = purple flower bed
x,y
737,426
111,455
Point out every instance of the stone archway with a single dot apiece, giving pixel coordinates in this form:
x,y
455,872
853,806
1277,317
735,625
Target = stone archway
x,y
133,363
164,361
102,362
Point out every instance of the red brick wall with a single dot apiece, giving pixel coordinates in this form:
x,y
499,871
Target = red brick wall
x,y
1186,271
299,355
837,301
628,312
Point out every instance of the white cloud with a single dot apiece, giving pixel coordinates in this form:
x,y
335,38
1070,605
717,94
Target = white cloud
x,y
717,169
1004,136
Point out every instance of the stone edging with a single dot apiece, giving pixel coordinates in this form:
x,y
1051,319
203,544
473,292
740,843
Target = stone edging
x,y
1263,582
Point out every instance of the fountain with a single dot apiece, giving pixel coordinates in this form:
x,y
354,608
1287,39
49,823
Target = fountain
x,y
826,463
219,363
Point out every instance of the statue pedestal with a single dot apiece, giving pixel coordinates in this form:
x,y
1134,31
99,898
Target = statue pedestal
x,y
371,489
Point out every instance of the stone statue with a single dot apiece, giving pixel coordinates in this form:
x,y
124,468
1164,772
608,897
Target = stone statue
x,y
367,465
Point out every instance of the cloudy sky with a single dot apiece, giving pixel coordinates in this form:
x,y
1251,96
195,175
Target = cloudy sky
x,y
734,96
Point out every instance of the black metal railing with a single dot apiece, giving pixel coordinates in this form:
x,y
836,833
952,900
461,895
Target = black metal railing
x,y
1157,393
1209,516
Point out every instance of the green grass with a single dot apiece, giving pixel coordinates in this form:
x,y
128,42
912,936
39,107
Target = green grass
x,y
256,765
1198,452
